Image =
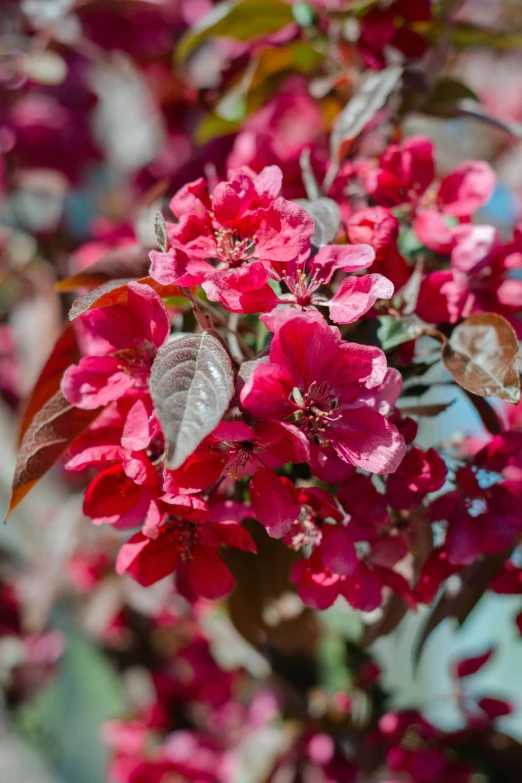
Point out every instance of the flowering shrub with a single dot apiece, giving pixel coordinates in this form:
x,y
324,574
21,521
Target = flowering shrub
x,y
236,391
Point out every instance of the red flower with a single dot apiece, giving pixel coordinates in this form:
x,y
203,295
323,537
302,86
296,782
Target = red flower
x,y
479,520
236,450
123,340
323,385
393,26
231,238
184,536
420,472
407,170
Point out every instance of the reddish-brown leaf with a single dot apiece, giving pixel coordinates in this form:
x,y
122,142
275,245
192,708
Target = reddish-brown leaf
x,y
115,292
481,356
191,385
64,353
487,413
459,604
129,263
52,430
392,614
428,411
260,589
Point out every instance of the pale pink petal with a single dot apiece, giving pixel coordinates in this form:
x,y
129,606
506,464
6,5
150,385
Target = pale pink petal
x,y
95,381
366,439
467,188
356,295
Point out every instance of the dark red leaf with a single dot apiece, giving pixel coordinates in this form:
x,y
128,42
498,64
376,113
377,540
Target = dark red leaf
x,y
459,604
481,356
115,292
428,411
52,430
487,413
64,353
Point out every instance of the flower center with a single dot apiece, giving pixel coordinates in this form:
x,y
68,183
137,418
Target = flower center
x,y
182,535
302,286
240,456
231,250
137,361
319,409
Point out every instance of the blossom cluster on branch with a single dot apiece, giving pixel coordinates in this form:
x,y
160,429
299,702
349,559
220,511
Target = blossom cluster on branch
x,y
282,265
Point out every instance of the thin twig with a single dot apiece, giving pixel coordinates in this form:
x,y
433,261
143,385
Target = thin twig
x,y
232,338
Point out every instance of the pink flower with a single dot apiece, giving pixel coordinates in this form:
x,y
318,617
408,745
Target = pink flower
x,y
355,295
393,26
236,450
420,472
183,535
335,568
379,228
231,238
323,385
246,290
407,170
123,342
479,520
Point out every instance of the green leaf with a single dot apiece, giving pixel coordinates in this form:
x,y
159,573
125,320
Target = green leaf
x,y
63,720
409,244
304,14
396,331
243,20
450,91
212,126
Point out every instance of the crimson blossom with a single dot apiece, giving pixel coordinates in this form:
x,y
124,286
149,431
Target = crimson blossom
x,y
336,392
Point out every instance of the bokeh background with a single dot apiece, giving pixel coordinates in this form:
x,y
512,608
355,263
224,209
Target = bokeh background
x,y
99,123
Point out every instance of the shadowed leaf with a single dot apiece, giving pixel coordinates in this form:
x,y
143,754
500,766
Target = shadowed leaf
x,y
392,614
358,112
115,292
427,411
481,356
64,353
459,604
52,430
191,385
327,219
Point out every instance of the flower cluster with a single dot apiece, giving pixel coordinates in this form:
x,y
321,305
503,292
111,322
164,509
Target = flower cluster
x,y
314,399
283,286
